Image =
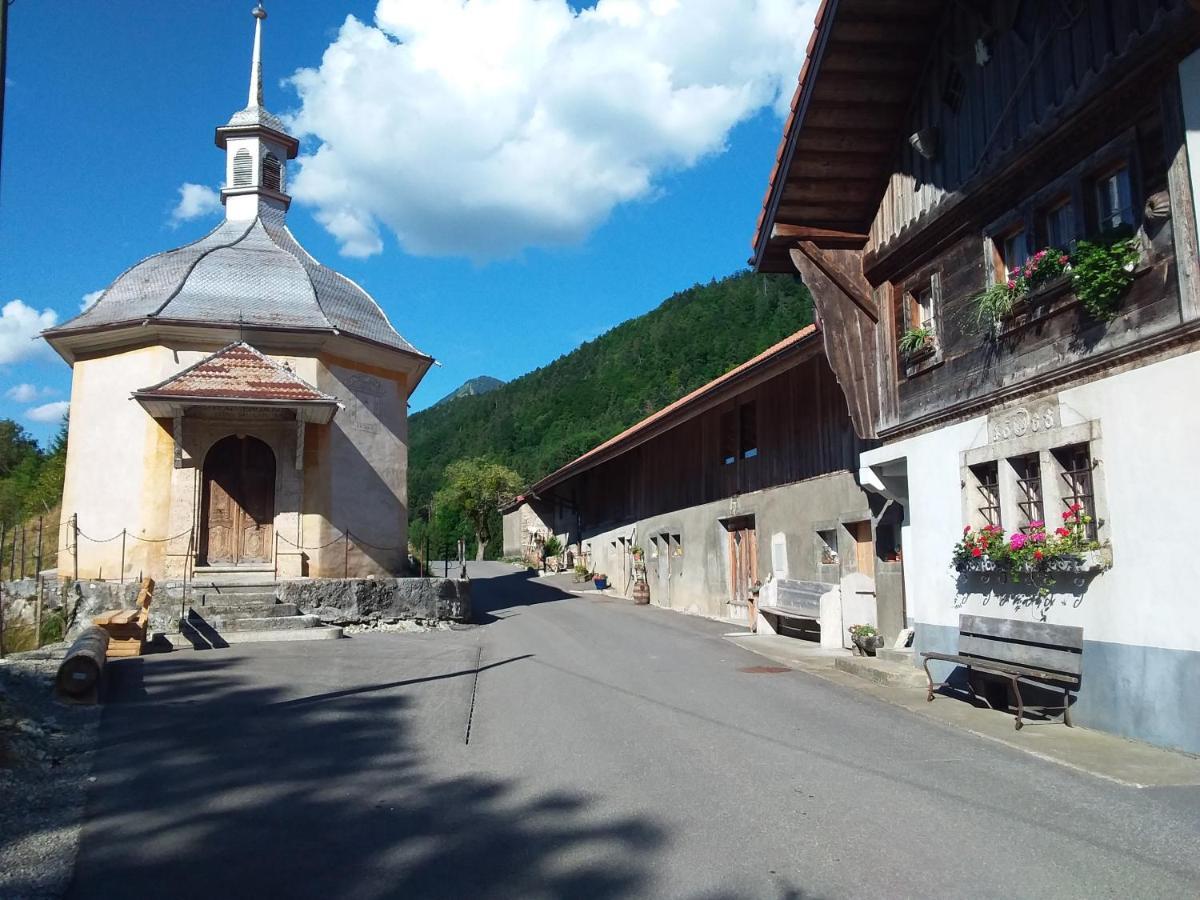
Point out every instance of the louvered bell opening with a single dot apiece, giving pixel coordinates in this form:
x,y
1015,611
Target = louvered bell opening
x,y
272,173
242,168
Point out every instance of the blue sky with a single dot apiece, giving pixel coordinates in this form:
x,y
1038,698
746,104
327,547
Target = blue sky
x,y
111,107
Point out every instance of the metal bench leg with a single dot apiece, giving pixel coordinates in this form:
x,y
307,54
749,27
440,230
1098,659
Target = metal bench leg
x,y
929,696
1020,703
1067,707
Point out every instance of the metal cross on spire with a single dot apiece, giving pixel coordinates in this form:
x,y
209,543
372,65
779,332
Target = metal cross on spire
x,y
256,84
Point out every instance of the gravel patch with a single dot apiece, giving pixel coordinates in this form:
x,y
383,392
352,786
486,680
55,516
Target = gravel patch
x,y
404,626
46,751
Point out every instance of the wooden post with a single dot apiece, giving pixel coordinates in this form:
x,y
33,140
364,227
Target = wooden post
x,y
12,559
1,622
37,621
122,556
38,573
22,567
75,535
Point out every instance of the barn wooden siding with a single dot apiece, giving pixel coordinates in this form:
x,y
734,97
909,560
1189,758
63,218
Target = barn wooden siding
x,y
1043,63
803,431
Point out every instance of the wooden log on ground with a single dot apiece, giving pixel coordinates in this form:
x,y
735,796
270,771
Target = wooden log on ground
x,y
79,674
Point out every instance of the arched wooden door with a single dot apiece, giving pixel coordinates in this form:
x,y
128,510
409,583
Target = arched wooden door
x,y
238,506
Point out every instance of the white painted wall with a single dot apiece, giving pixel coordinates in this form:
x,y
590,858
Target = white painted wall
x,y
1150,435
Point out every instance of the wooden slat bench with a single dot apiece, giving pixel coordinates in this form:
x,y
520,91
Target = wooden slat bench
x,y
126,628
1017,650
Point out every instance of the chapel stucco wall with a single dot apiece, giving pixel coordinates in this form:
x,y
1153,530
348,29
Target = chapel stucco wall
x,y
357,476
116,466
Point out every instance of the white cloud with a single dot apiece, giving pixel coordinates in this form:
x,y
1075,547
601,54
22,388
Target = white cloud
x,y
48,412
19,327
89,298
195,201
27,393
481,127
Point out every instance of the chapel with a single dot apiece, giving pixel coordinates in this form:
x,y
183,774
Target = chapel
x,y
234,403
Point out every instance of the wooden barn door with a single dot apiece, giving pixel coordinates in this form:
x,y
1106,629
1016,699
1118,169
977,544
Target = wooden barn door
x,y
743,567
238,507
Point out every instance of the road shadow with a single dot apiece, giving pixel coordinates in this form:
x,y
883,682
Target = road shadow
x,y
220,786
499,596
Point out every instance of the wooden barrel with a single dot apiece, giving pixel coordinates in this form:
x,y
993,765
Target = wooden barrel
x,y
641,592
80,671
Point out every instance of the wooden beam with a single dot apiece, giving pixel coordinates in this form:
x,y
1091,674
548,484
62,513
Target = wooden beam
x,y
818,235
843,268
849,334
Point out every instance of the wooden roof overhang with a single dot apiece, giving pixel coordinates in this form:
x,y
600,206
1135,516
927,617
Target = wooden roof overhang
x,y
839,143
771,362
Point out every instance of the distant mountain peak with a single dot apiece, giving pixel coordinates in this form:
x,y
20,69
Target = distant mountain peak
x,y
482,385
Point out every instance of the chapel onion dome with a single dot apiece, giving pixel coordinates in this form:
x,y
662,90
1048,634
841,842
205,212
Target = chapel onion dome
x,y
250,271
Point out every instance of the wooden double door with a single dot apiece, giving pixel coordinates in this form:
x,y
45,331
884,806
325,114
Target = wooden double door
x,y
238,502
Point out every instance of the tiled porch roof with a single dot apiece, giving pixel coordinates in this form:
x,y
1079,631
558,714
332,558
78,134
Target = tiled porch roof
x,y
237,372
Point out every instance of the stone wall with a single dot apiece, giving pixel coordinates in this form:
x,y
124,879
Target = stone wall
x,y
337,601
350,601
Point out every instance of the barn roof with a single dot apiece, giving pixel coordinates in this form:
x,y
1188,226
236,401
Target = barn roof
x,y
751,372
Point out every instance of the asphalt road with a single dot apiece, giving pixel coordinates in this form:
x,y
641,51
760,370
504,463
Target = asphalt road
x,y
614,751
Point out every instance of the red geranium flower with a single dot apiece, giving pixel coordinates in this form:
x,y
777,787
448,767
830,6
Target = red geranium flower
x,y
1037,554
1063,532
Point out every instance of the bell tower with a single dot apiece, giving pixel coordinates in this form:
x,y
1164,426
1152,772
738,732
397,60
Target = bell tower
x,y
257,148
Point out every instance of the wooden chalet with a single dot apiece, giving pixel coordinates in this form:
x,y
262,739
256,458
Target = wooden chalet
x,y
937,155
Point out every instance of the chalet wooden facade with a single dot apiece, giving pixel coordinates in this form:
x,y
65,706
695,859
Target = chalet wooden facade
x,y
934,151
748,480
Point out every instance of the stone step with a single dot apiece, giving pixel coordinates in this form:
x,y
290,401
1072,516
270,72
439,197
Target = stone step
x,y
192,639
901,656
206,600
882,671
209,586
226,611
285,623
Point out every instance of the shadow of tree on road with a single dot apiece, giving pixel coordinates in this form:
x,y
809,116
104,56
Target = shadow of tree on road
x,y
219,786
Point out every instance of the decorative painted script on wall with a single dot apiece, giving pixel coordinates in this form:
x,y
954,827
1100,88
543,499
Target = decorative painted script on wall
x,y
368,392
1022,421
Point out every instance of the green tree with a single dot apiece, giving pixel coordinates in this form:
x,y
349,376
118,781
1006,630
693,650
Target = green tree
x,y
477,488
16,446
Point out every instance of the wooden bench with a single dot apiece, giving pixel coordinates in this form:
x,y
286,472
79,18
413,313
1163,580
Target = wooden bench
x,y
126,628
1035,651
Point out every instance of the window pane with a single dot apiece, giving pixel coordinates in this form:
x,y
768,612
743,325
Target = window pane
x,y
1029,491
1076,462
1014,251
729,438
1060,226
749,425
987,487
1114,200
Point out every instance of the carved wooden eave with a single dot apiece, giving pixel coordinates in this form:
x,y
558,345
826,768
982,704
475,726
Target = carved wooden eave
x,y
848,316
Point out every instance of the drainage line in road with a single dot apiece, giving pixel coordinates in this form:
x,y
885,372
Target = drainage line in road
x,y
474,691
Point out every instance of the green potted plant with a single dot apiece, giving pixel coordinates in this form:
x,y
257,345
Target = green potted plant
x,y
916,341
551,550
866,639
582,572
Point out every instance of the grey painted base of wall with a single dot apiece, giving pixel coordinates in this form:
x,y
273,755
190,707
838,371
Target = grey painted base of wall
x,y
1145,693
351,601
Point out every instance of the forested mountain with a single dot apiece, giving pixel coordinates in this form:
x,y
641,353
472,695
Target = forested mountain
x,y
482,385
546,418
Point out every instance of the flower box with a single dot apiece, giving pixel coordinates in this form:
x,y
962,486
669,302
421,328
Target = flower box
x,y
1088,562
